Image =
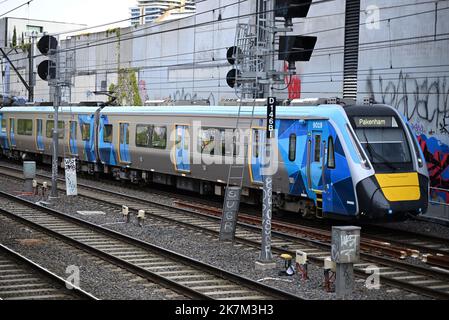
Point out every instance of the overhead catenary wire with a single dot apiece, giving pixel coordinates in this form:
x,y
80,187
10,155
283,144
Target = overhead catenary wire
x,y
93,43
89,45
317,50
18,7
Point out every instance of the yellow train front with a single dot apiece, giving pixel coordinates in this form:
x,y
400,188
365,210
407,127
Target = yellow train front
x,y
394,180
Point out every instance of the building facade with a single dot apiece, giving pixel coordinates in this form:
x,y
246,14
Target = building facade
x,y
394,53
148,11
26,27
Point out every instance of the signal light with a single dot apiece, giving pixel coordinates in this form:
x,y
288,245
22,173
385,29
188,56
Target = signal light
x,y
292,8
233,55
296,48
289,9
47,45
47,70
232,76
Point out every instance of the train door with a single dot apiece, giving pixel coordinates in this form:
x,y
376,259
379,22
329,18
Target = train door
x,y
106,148
124,156
12,130
39,135
72,138
257,151
3,132
182,148
315,165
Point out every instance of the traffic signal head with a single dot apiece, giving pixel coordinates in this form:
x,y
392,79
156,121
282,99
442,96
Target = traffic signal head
x,y
290,9
47,45
296,48
231,78
47,70
233,55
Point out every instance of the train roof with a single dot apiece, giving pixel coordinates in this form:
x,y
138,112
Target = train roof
x,y
227,111
313,111
45,109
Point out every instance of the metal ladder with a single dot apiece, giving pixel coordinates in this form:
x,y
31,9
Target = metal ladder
x,y
247,64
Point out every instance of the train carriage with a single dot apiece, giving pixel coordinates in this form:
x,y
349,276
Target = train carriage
x,y
332,161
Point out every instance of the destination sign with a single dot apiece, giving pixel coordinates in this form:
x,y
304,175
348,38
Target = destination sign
x,y
375,122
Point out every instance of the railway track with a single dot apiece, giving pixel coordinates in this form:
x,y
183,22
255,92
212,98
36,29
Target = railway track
x,y
422,280
22,279
179,273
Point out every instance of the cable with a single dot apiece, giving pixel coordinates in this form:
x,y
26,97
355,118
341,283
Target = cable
x,y
93,43
18,7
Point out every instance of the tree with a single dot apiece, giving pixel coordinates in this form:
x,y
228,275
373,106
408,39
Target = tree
x,y
14,37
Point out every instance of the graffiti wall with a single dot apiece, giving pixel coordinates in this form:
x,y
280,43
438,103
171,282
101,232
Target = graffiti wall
x,y
424,100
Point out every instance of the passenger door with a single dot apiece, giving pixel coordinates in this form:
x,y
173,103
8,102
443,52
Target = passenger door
x,y
182,148
3,132
12,130
315,151
72,138
124,156
257,150
39,135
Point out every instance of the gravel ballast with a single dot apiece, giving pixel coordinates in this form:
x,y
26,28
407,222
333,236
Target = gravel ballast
x,y
206,248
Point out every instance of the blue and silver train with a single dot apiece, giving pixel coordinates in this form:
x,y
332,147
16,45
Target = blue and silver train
x,y
334,161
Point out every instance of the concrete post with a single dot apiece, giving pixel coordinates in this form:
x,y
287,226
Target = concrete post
x,y
345,252
29,173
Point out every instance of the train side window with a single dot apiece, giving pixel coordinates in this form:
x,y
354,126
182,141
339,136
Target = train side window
x,y
50,126
107,133
143,135
4,125
159,138
331,154
85,131
317,151
292,148
256,144
207,141
25,127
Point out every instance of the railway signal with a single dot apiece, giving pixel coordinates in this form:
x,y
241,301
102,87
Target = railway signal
x,y
232,55
294,48
48,71
47,45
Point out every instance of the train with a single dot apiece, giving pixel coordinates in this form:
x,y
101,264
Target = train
x,y
334,160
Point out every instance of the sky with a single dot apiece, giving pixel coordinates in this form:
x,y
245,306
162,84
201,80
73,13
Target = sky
x,y
90,12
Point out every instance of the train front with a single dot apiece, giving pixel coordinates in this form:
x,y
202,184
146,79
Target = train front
x,y
399,184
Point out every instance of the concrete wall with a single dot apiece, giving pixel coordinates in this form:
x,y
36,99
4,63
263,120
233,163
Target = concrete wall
x,y
403,61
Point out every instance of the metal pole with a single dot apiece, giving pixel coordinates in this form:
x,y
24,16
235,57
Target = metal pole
x,y
31,72
266,256
56,101
54,172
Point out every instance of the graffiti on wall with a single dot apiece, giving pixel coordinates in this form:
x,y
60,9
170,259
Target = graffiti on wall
x,y
425,103
294,85
182,94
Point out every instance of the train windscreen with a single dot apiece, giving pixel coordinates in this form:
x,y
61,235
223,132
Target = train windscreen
x,y
384,142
